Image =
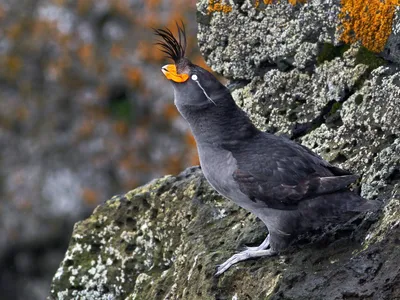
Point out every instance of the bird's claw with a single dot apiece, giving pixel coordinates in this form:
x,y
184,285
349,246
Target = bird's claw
x,y
245,255
229,262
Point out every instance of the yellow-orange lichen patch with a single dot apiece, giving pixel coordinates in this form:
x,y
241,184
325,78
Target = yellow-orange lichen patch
x,y
83,6
257,3
218,6
86,54
117,51
369,22
90,196
145,52
134,76
170,112
294,2
86,129
13,64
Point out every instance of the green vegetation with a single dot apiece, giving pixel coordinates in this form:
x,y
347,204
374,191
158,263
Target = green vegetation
x,y
369,58
328,52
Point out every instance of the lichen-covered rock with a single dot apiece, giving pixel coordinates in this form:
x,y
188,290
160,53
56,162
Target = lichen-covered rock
x,y
161,239
289,71
253,36
262,38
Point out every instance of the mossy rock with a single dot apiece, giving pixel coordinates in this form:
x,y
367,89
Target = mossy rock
x,y
164,240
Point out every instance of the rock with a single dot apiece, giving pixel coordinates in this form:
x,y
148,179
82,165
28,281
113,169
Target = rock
x,y
141,244
291,72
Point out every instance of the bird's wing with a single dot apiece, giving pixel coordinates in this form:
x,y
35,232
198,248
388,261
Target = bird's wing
x,y
282,173
319,160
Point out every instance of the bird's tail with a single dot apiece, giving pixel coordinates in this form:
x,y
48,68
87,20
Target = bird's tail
x,y
365,205
337,207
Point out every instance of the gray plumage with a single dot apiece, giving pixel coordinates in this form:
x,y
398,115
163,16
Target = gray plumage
x,y
286,185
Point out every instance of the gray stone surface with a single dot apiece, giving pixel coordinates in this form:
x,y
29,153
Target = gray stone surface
x,y
163,241
250,40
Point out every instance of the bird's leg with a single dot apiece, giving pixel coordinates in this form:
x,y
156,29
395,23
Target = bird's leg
x,y
264,245
249,253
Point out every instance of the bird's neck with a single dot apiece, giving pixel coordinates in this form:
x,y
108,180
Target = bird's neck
x,y
219,124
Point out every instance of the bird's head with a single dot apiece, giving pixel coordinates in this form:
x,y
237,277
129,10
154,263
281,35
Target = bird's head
x,y
194,86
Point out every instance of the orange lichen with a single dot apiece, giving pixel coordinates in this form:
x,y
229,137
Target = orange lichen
x,y
170,112
13,65
133,75
86,129
122,8
173,164
128,162
194,159
368,22
294,2
189,140
86,53
117,51
83,6
218,6
266,2
14,31
146,52
59,2
90,196
152,4
129,184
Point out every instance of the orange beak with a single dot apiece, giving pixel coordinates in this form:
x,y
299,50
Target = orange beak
x,y
171,74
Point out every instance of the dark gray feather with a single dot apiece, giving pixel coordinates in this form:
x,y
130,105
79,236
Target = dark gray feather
x,y
282,173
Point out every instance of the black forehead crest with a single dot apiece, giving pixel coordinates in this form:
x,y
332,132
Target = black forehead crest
x,y
172,47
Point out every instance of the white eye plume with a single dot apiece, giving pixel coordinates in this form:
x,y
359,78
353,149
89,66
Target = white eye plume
x,y
194,78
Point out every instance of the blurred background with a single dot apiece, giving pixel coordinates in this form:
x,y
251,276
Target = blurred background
x,y
85,113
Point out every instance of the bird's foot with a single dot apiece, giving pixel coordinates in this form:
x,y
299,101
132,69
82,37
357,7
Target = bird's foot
x,y
264,245
245,255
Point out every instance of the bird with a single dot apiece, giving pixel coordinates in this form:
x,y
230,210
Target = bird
x,y
286,185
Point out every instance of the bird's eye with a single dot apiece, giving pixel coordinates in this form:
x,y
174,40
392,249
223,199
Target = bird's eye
x,y
194,77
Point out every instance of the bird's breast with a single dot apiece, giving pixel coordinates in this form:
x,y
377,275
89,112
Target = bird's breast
x,y
218,166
